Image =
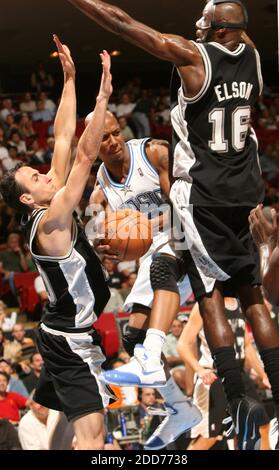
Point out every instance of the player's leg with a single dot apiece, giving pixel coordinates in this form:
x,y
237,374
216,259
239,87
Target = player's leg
x,y
89,431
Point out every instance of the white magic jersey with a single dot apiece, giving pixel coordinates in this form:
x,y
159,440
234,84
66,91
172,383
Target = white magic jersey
x,y
141,190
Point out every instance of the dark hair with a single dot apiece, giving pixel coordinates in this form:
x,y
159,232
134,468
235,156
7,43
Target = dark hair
x,y
33,355
11,190
5,375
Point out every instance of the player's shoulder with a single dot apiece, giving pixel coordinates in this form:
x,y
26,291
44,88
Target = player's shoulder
x,y
157,143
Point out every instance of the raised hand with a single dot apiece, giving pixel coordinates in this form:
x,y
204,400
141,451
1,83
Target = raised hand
x,y
263,231
65,58
106,85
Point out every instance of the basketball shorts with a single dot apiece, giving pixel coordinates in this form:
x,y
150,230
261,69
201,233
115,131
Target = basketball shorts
x,y
218,244
69,381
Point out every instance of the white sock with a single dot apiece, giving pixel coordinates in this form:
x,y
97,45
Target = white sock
x,y
171,392
154,342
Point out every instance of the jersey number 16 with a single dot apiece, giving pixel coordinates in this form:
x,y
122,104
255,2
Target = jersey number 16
x,y
240,124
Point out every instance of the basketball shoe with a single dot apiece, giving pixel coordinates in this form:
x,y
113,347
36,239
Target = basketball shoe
x,y
143,370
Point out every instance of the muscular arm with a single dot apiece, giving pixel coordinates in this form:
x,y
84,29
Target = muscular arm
x,y
158,154
65,120
168,47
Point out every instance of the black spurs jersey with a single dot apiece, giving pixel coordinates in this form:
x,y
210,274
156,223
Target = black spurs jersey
x,y
215,147
76,284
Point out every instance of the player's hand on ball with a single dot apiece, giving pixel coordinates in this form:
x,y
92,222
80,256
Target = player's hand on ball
x,y
103,249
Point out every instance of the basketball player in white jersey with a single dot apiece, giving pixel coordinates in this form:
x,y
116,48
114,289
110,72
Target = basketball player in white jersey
x,y
135,175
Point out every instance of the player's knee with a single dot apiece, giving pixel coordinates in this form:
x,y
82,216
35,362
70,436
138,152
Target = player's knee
x,y
165,272
132,337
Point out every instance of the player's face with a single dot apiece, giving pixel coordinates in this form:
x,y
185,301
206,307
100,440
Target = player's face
x,y
40,189
113,145
203,25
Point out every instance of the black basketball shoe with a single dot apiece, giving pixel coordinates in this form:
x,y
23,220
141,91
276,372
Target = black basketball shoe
x,y
248,415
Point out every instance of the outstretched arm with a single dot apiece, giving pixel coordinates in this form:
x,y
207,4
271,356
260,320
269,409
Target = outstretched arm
x,y
65,120
65,201
169,47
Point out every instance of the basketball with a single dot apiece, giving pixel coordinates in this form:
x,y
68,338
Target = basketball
x,y
128,232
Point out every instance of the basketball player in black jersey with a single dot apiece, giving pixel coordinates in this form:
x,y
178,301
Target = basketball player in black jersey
x,y
72,272
218,182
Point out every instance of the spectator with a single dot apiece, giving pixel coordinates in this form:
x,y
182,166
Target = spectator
x,y
10,124
48,104
42,114
5,159
6,109
16,141
173,358
30,380
47,156
125,108
10,402
13,259
36,154
20,346
8,436
126,131
115,278
7,321
148,423
41,80
37,426
27,105
15,384
26,127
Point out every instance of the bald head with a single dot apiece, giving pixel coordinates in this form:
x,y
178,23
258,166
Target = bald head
x,y
223,23
229,13
110,118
